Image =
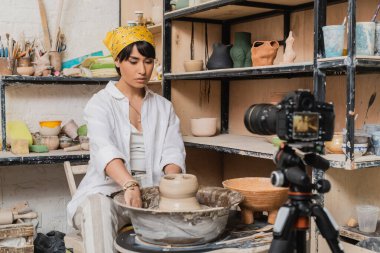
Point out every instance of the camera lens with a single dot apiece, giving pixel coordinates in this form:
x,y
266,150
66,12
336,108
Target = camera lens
x,y
261,119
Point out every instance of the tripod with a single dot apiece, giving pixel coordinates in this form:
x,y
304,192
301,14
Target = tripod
x,y
293,219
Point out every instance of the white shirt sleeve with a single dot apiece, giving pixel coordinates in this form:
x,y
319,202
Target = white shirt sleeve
x,y
173,149
103,148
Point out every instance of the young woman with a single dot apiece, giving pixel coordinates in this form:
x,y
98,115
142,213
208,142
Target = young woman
x,y
132,131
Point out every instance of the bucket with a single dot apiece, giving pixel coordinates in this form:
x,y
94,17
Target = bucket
x,y
365,38
333,37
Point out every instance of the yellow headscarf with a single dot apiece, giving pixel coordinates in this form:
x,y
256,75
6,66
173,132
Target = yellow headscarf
x,y
117,39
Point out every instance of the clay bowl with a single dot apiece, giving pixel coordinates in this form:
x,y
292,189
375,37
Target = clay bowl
x,y
259,195
180,228
203,127
50,131
193,65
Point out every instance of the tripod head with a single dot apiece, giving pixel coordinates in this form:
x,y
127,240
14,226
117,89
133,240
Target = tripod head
x,y
291,164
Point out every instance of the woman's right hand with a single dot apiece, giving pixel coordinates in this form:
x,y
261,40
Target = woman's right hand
x,y
132,197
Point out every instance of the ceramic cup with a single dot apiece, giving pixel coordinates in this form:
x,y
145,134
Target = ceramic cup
x,y
365,38
333,37
367,218
376,142
377,39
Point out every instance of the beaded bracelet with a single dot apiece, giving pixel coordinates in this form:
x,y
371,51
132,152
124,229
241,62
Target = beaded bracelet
x,y
130,184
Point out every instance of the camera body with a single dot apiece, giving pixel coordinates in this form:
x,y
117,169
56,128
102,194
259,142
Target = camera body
x,y
297,118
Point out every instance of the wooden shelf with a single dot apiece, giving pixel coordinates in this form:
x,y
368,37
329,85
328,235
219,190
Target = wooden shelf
x,y
54,156
367,161
355,234
236,11
49,80
155,82
363,64
254,146
272,71
155,29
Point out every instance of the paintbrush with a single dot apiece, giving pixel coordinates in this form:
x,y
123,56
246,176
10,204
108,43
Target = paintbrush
x,y
370,103
376,12
2,52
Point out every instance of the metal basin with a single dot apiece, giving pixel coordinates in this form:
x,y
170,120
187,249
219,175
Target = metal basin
x,y
182,228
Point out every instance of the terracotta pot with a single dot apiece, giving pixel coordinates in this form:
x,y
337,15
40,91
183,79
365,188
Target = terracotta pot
x,y
193,65
259,195
4,67
264,52
52,142
335,145
25,71
203,127
177,192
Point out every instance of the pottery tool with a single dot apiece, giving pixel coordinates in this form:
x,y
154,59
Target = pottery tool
x,y
370,103
57,26
376,12
7,217
44,23
344,21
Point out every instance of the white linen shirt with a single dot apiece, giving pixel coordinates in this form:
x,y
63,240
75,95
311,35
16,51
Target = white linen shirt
x,y
109,131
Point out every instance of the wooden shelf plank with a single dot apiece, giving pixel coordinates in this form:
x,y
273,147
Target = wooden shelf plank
x,y
155,82
233,9
255,146
339,161
274,71
356,234
49,80
155,28
54,156
364,64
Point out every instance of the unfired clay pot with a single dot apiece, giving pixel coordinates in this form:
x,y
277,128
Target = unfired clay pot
x,y
70,129
335,145
203,127
177,192
259,195
264,52
25,71
55,60
193,65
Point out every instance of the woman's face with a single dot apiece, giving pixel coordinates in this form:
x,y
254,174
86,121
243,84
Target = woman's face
x,y
137,69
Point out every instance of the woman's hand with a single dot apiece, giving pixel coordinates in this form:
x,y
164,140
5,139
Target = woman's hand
x,y
132,197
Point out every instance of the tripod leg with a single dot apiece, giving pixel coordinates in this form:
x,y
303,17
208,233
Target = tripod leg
x,y
328,228
282,231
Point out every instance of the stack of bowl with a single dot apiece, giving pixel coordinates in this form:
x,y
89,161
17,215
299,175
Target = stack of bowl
x,y
49,131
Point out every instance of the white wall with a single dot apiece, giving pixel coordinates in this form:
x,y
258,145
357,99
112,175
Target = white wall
x,y
85,23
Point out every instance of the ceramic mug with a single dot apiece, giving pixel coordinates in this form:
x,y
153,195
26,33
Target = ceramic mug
x,y
333,37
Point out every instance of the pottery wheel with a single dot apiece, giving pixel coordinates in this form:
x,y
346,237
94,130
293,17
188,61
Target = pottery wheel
x,y
127,241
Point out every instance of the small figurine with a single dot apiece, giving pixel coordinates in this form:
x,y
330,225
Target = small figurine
x,y
289,55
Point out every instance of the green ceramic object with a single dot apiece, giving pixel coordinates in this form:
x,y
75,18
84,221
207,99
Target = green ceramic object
x,y
82,130
38,148
241,51
182,4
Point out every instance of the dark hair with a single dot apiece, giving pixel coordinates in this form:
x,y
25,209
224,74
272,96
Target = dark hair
x,y
144,48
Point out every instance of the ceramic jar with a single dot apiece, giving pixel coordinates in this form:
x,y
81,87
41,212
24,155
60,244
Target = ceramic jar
x,y
241,51
264,52
70,129
220,57
335,145
177,192
52,142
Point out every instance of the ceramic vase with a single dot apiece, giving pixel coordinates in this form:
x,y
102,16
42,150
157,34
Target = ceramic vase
x,y
177,192
333,38
289,55
264,52
241,51
220,57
